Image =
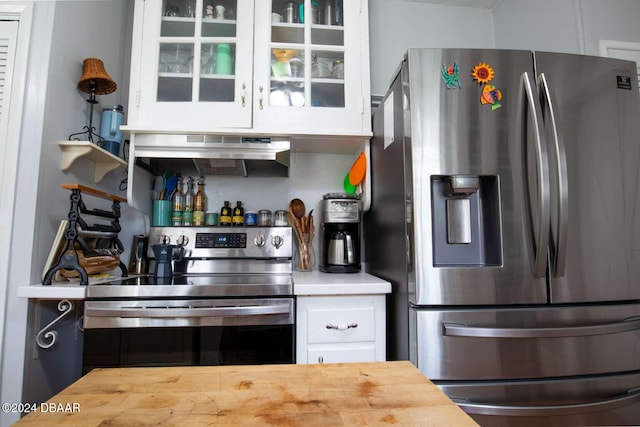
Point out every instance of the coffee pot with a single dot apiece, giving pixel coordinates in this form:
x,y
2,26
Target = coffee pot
x,y
340,249
339,240
164,255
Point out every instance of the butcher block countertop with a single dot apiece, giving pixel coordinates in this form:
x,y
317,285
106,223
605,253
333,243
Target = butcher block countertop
x,y
354,394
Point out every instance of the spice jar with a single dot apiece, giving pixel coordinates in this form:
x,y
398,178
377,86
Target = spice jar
x,y
280,218
211,218
250,218
264,218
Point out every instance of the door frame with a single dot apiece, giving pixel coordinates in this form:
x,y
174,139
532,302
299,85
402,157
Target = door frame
x,y
22,13
605,45
16,99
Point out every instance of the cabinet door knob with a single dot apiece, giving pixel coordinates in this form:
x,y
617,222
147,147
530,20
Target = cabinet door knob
x,y
242,96
320,359
342,327
260,98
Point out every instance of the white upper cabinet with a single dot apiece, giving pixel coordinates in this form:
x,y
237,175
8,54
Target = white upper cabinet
x,y
191,71
250,67
312,75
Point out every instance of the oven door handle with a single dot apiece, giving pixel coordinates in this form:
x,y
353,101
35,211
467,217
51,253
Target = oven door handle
x,y
168,312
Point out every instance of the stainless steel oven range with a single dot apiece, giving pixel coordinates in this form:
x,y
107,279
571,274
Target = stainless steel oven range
x,y
229,301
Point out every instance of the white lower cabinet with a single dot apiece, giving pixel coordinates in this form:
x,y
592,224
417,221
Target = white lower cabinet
x,y
334,329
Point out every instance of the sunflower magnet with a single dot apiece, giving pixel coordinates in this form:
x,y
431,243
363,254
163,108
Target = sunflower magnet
x,y
483,73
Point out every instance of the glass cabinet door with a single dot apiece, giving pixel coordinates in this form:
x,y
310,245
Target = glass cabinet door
x,y
203,56
307,54
303,68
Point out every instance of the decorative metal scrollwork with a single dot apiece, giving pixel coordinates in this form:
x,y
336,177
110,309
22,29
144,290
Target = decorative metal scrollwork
x,y
47,338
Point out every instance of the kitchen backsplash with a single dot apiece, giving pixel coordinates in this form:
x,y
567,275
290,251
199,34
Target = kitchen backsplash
x,y
311,175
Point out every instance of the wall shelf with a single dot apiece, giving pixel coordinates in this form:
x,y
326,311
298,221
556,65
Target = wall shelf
x,y
104,160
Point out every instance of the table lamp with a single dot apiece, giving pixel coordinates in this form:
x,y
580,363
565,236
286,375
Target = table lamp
x,y
94,81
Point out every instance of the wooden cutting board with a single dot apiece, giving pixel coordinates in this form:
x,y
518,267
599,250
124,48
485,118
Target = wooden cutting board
x,y
384,393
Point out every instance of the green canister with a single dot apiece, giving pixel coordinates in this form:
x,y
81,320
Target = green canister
x,y
224,59
211,218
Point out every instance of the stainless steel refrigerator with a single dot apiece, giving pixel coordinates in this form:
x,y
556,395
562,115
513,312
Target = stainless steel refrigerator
x,y
505,211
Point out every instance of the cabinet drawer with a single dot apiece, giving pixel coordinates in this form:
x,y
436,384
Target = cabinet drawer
x,y
342,355
341,325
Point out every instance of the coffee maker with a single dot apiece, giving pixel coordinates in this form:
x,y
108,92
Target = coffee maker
x,y
340,234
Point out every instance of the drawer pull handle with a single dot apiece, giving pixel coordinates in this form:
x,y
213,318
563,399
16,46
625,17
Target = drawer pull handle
x,y
342,327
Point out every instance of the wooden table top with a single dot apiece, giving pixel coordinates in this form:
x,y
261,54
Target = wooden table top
x,y
382,393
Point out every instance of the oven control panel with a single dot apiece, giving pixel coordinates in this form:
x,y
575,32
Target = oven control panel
x,y
221,240
226,242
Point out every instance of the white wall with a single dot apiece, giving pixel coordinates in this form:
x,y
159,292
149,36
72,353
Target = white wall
x,y
310,177
611,20
395,26
54,109
101,29
570,26
550,25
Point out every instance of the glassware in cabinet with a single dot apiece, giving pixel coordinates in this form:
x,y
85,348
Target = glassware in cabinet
x,y
304,46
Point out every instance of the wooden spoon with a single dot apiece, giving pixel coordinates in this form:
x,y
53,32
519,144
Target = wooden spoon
x,y
295,225
297,207
311,227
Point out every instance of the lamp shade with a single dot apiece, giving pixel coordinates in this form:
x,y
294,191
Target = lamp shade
x,y
93,71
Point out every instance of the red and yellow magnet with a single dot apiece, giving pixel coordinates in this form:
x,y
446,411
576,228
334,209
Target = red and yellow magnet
x,y
491,95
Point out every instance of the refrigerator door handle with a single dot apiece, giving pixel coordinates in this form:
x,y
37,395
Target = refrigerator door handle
x,y
539,238
452,329
631,397
560,255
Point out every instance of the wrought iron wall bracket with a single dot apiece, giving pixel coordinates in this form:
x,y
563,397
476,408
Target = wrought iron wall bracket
x,y
46,338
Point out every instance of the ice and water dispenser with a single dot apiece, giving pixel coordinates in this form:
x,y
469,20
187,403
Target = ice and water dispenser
x,y
466,220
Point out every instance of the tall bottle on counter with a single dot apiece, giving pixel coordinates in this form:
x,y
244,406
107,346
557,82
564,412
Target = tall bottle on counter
x,y
238,215
177,200
187,215
199,205
225,214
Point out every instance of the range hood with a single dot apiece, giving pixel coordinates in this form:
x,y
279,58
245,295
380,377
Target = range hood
x,y
213,155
